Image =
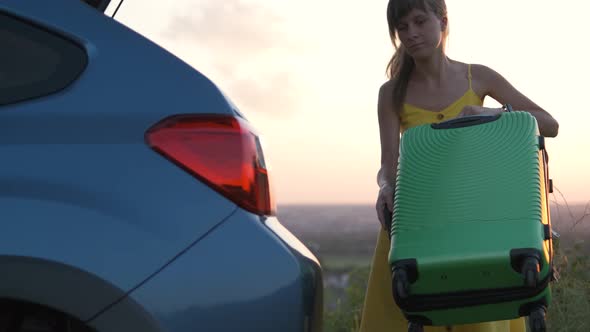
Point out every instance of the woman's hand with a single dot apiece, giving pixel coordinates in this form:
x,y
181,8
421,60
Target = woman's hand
x,y
470,110
385,201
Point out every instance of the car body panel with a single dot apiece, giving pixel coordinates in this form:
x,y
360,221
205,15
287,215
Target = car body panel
x,y
73,177
235,284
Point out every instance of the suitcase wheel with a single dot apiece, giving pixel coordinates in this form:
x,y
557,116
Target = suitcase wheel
x,y
530,271
400,283
415,327
537,322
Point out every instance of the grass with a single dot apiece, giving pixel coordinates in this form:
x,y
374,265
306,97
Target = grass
x,y
568,312
345,316
570,309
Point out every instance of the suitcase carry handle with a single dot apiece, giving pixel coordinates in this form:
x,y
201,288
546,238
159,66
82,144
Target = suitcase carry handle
x,y
465,121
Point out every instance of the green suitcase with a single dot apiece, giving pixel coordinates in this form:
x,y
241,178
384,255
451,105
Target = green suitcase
x,y
471,232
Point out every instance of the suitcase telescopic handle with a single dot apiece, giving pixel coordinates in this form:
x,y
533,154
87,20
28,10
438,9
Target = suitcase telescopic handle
x,y
466,121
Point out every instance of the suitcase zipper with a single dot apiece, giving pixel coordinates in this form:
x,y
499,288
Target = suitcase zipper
x,y
420,303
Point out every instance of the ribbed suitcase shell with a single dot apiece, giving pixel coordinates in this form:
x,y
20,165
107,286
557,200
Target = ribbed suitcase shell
x,y
466,198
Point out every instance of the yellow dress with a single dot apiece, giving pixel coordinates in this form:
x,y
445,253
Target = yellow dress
x,y
380,313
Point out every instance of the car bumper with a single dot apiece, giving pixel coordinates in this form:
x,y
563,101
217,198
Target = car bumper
x,y
247,274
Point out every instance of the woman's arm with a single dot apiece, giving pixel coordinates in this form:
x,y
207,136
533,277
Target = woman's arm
x,y
389,133
502,91
389,130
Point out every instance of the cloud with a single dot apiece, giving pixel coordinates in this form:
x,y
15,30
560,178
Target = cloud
x,y
275,94
249,46
230,24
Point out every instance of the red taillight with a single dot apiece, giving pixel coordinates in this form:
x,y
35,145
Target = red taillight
x,y
221,151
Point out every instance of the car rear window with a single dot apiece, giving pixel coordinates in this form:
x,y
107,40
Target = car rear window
x,y
35,62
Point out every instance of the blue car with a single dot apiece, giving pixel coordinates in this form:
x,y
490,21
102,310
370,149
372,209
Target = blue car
x,y
134,195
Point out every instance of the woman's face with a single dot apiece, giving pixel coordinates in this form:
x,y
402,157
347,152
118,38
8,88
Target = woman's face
x,y
421,33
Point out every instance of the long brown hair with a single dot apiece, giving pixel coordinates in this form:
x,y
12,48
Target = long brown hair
x,y
401,65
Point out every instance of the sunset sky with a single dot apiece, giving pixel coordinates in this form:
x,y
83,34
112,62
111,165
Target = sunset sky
x,y
306,73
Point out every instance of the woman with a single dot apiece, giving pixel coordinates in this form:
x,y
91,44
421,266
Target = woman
x,y
426,86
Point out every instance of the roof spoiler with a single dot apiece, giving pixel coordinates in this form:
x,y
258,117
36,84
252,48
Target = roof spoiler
x,y
98,4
